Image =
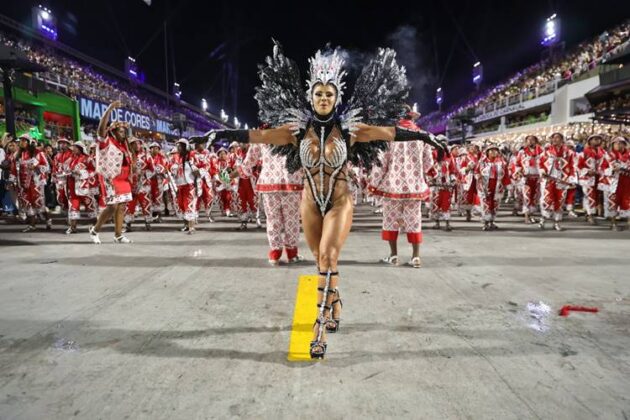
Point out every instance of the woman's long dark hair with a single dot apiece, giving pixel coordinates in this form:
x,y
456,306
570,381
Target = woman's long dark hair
x,y
31,147
184,155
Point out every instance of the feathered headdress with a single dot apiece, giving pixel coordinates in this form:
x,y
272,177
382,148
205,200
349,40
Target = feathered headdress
x,y
326,68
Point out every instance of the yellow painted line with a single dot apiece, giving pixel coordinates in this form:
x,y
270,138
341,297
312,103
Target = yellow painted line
x,y
303,318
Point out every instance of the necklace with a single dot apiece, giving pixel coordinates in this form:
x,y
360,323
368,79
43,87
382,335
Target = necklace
x,y
316,117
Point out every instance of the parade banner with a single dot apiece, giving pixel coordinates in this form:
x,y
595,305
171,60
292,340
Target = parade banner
x,y
94,110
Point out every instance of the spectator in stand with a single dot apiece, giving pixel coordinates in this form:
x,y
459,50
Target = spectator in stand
x,y
538,77
81,80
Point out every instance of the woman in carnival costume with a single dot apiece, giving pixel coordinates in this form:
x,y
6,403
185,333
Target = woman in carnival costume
x,y
114,162
314,134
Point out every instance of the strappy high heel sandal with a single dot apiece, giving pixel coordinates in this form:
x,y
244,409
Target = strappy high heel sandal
x,y
318,347
333,324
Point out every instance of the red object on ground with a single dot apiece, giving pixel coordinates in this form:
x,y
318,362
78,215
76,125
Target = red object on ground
x,y
568,308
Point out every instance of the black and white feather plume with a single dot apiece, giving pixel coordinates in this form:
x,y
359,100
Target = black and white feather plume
x,y
280,95
380,92
379,97
281,100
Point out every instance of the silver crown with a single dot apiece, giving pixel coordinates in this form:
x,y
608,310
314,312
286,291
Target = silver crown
x,y
326,68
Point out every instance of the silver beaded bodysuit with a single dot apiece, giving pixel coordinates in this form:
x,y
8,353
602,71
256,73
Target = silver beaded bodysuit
x,y
323,147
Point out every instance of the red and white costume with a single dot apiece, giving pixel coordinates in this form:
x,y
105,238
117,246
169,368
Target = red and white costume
x,y
206,171
455,156
442,178
492,176
30,172
159,181
400,181
557,172
516,181
142,174
60,172
468,183
246,183
527,166
113,162
80,186
281,194
615,171
183,174
571,192
224,185
589,162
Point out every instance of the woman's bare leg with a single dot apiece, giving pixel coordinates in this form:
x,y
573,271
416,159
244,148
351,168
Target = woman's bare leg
x,y
337,224
104,217
334,231
312,222
119,218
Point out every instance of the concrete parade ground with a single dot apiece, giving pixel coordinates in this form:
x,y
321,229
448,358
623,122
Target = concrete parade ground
x,y
197,327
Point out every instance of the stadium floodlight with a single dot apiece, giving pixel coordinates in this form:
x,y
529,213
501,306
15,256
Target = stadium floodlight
x,y
45,22
204,105
477,73
133,71
246,126
224,117
177,92
551,31
439,96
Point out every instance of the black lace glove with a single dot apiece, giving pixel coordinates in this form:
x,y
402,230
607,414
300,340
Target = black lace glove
x,y
403,134
239,136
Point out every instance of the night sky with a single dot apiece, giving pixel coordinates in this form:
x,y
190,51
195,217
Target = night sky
x,y
436,40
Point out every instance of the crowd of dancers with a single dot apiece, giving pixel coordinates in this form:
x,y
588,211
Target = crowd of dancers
x,y
541,179
182,181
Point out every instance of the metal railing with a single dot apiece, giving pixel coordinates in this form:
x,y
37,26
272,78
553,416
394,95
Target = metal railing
x,y
524,96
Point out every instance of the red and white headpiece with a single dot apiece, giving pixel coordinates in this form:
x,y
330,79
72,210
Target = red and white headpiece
x,y
82,146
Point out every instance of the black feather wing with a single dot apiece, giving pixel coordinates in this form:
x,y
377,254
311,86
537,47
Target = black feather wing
x,y
281,99
379,97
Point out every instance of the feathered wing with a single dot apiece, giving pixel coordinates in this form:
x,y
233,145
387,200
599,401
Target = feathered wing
x,y
379,97
281,99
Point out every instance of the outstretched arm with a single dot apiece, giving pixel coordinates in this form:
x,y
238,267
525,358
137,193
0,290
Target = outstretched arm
x,y
367,133
276,136
102,125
